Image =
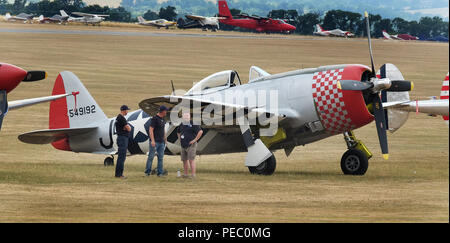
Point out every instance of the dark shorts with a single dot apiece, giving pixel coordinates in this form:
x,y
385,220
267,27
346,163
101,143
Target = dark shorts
x,y
189,153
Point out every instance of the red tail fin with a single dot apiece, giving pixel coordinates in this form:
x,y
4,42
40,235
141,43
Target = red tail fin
x,y
444,93
224,11
58,108
58,114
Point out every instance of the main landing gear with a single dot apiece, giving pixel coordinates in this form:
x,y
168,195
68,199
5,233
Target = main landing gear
x,y
265,168
356,160
109,161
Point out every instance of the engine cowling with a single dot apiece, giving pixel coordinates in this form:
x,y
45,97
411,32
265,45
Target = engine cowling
x,y
340,111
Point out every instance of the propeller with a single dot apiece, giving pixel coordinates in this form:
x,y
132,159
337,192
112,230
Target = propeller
x,y
3,106
373,87
35,76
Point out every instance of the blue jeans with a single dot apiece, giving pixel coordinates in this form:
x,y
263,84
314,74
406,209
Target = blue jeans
x,y
159,148
122,143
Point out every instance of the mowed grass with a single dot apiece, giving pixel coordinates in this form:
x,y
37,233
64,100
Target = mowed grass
x,y
40,184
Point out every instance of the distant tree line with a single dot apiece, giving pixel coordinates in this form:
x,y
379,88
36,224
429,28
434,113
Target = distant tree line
x,y
426,27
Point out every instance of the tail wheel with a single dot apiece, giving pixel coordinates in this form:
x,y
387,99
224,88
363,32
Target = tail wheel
x,y
265,168
109,161
354,162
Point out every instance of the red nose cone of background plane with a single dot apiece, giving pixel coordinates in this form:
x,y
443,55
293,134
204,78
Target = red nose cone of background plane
x,y
10,76
292,28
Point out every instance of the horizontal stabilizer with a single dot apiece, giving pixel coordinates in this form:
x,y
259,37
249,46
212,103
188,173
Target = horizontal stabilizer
x,y
52,135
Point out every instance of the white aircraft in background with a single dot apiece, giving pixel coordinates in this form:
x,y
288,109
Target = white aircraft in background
x,y
336,32
195,21
399,106
159,23
26,18
94,19
387,36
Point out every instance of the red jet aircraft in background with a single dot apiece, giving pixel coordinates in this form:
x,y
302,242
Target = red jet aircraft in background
x,y
10,77
259,24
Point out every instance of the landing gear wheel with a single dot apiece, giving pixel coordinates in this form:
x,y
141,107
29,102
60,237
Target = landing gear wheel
x,y
265,168
354,162
109,161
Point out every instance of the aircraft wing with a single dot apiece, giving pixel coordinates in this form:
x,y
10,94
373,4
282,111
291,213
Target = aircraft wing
x,y
195,17
252,17
89,15
151,106
432,107
23,103
54,135
18,18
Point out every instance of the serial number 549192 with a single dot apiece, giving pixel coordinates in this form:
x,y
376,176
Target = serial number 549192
x,y
81,111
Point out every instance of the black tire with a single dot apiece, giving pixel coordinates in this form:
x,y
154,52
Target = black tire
x,y
354,162
265,168
109,161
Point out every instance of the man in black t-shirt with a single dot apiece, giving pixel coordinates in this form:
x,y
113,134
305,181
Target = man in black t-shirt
x,y
188,134
123,131
157,141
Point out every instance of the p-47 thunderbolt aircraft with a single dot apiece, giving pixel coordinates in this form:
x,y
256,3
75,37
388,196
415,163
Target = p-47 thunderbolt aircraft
x,y
10,77
159,23
94,19
336,32
269,113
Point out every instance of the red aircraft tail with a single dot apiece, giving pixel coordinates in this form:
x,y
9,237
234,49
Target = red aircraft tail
x,y
224,11
444,93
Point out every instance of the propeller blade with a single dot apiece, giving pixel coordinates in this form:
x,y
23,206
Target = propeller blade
x,y
369,38
35,76
3,106
354,85
380,121
401,86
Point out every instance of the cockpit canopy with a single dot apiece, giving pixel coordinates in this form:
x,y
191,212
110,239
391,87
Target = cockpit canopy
x,y
215,82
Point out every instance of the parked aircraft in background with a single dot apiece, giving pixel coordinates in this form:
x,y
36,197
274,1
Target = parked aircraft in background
x,y
259,24
25,18
399,105
159,23
387,36
314,104
194,21
54,19
10,77
336,32
94,19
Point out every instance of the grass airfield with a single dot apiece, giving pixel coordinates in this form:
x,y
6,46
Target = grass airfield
x,y
40,184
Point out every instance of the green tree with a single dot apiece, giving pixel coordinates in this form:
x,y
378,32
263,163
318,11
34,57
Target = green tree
x,y
305,23
150,15
168,13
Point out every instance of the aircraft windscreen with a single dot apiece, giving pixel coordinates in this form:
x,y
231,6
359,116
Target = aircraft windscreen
x,y
217,80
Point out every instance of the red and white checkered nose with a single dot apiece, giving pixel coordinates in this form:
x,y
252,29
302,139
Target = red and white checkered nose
x,y
340,111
